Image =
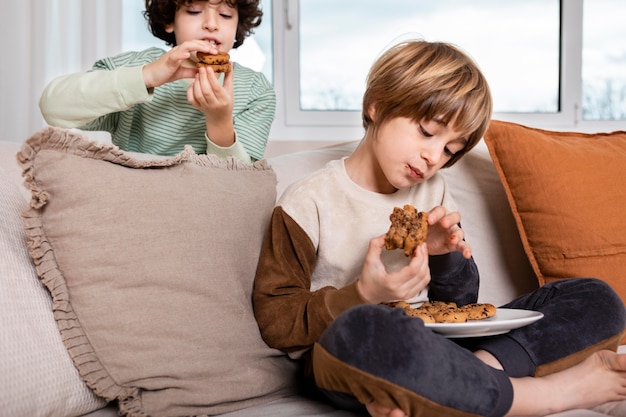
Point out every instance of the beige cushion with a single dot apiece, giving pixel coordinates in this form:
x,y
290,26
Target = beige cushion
x,y
567,191
37,377
151,265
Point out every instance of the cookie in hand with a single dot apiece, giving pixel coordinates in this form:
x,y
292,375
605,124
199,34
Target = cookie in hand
x,y
408,229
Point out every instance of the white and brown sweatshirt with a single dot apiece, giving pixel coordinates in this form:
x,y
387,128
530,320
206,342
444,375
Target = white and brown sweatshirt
x,y
315,247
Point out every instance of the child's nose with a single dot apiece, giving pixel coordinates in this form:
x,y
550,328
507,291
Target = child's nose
x,y
210,21
433,154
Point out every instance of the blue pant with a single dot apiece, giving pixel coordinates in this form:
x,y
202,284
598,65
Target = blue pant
x,y
372,352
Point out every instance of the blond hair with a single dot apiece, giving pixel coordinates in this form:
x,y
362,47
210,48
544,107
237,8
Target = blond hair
x,y
429,80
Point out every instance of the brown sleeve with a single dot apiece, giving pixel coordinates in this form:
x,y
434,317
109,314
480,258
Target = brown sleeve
x,y
291,316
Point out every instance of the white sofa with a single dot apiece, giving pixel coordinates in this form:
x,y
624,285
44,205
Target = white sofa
x,y
487,221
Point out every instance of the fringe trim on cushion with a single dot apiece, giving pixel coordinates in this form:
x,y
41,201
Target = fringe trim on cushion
x,y
75,143
70,142
74,339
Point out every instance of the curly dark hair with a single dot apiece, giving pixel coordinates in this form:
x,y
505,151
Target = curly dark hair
x,y
160,13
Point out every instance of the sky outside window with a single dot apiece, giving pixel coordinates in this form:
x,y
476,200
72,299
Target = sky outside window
x,y
516,43
604,60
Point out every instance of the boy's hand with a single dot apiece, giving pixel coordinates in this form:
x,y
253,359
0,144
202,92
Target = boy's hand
x,y
216,101
376,285
175,64
444,233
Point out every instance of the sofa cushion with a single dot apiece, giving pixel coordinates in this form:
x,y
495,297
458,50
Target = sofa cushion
x,y
37,377
505,271
567,191
150,265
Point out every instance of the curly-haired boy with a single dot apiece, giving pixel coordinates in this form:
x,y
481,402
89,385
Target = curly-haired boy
x,y
157,101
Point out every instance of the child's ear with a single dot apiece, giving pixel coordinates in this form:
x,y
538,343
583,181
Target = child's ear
x,y
371,111
169,28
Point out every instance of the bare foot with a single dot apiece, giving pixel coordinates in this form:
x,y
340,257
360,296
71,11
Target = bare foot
x,y
489,359
598,379
376,409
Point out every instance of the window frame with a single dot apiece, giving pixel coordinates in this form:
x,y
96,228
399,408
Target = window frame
x,y
292,122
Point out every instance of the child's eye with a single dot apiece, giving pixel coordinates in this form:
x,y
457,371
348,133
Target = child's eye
x,y
448,152
425,132
226,15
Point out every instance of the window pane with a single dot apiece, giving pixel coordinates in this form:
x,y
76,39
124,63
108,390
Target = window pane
x,y
516,43
604,60
255,53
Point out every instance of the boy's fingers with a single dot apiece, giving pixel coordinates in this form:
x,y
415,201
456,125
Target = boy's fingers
x,y
376,244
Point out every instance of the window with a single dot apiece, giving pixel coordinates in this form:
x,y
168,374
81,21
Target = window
x,y
530,50
604,60
522,65
534,53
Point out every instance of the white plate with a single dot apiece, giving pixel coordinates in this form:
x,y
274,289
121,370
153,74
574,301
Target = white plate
x,y
505,320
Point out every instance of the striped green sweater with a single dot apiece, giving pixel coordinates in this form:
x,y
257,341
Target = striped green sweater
x,y
112,97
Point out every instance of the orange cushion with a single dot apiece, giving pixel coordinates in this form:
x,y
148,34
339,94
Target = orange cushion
x,y
567,191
